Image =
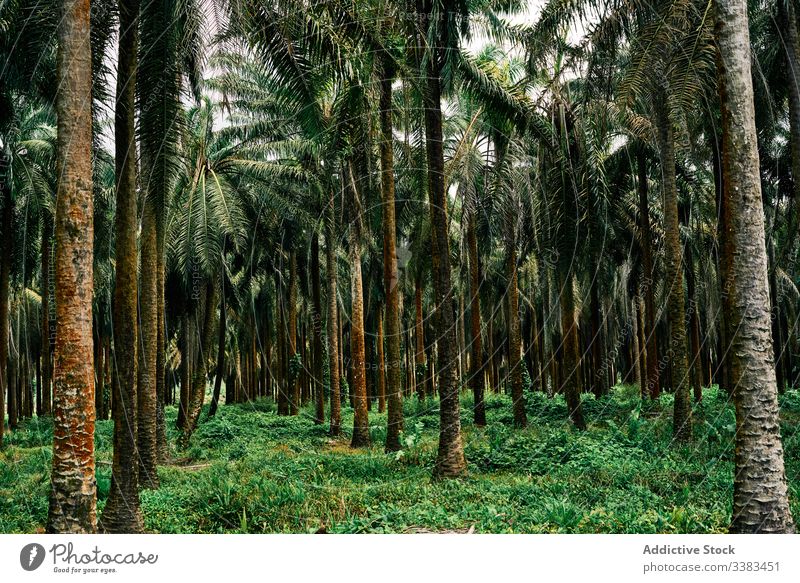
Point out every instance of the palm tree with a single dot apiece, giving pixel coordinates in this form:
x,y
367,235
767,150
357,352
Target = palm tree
x,y
122,513
450,460
390,275
72,495
760,497
5,270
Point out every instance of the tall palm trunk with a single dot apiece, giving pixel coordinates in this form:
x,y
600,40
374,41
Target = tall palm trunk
x,y
161,420
207,309
316,293
5,323
47,236
280,337
653,387
380,357
294,374
73,494
146,436
760,497
186,368
515,362
357,347
450,460
390,276
357,341
694,328
419,340
788,23
476,373
679,372
221,330
333,319
643,354
571,357
122,513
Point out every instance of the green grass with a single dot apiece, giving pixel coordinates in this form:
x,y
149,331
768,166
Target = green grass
x,y
249,470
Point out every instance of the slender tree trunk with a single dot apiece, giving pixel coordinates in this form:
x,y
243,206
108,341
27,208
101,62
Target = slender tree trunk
x,y
146,436
390,276
221,331
381,367
643,354
280,341
637,350
515,363
316,293
294,375
760,497
73,494
199,378
679,372
5,321
186,368
476,372
333,319
47,236
357,341
788,24
38,372
694,328
357,347
651,343
419,339
122,513
161,358
599,385
571,357
450,460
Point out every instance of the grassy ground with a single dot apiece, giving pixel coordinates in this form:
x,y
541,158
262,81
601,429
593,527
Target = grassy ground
x,y
249,470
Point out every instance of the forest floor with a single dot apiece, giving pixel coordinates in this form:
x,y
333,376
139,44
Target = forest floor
x,y
249,470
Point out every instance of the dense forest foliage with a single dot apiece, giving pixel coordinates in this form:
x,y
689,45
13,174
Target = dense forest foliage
x,y
377,266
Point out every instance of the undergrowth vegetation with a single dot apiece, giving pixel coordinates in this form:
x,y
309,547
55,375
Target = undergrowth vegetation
x,y
249,470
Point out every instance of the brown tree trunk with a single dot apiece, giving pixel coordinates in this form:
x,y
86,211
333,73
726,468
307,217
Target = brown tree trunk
x,y
515,363
316,293
694,329
450,460
294,375
476,373
161,358
637,350
122,513
390,275
198,386
221,330
280,340
598,376
146,435
73,494
643,355
357,342
5,323
47,236
419,343
788,24
186,369
760,497
679,372
649,330
381,368
571,357
333,320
